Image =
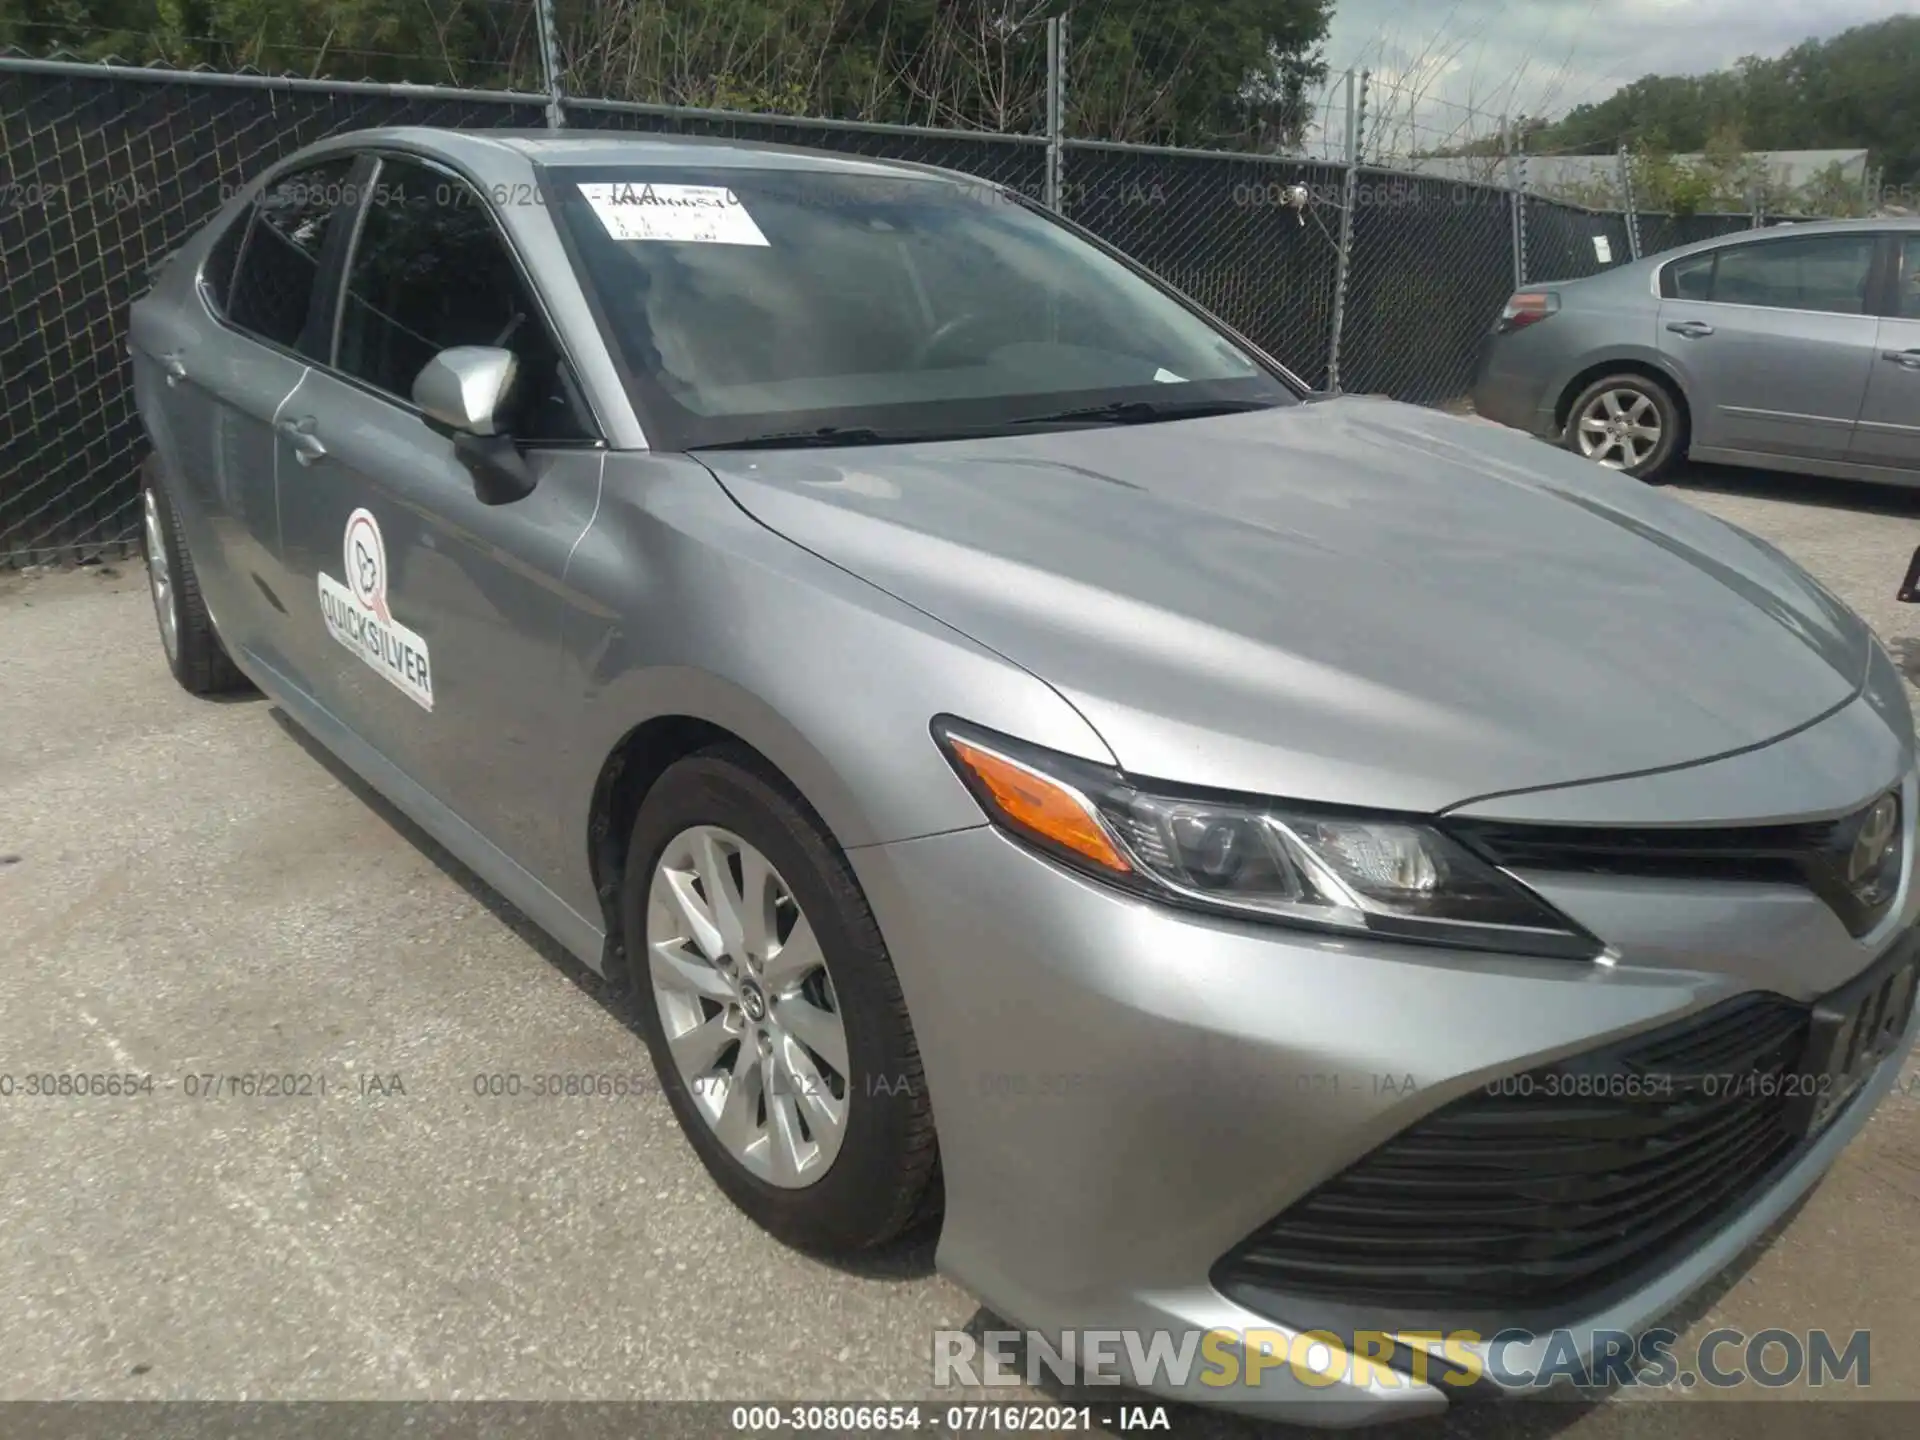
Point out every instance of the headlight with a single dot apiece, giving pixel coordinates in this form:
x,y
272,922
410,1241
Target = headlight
x,y
1269,860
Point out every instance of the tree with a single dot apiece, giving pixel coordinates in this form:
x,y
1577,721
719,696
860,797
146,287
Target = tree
x,y
1196,72
1858,88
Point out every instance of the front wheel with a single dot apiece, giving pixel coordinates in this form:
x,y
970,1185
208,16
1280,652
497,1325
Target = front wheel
x,y
772,1010
1626,422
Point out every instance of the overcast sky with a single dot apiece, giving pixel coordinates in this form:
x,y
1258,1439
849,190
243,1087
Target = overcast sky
x,y
1543,56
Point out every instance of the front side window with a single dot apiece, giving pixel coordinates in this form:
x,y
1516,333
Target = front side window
x,y
430,270
1815,272
1907,302
758,303
279,261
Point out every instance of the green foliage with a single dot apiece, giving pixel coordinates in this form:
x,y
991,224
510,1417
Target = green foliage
x,y
1858,88
484,43
1207,72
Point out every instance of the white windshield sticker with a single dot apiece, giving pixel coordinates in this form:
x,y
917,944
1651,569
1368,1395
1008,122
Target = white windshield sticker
x,y
699,214
1603,249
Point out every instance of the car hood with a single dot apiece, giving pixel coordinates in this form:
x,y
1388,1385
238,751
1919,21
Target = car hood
x,y
1353,601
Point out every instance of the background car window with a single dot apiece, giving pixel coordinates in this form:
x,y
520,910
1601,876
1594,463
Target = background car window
x,y
1692,278
1820,272
1908,301
430,270
280,259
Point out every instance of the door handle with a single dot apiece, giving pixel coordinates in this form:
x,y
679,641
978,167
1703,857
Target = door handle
x,y
173,367
306,445
1692,329
1906,359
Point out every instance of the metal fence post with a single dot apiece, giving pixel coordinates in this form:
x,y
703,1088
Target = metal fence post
x,y
1628,200
1350,190
1517,190
1056,107
550,66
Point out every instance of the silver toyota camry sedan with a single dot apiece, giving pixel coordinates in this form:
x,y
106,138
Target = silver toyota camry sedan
x,y
1239,861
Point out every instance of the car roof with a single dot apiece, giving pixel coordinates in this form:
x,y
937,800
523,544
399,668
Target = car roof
x,y
1635,273
503,153
1792,227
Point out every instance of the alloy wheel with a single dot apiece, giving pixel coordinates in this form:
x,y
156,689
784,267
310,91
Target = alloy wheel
x,y
160,575
1619,428
747,1006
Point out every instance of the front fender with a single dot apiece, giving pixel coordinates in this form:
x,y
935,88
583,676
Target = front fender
x,y
689,607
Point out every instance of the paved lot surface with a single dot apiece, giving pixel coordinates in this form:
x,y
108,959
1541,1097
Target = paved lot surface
x,y
191,888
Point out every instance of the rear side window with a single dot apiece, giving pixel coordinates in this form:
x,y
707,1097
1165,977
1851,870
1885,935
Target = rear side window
x,y
1907,302
279,264
431,270
1818,272
1692,278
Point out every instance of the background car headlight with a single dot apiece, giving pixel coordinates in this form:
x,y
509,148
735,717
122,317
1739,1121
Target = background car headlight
x,y
1262,859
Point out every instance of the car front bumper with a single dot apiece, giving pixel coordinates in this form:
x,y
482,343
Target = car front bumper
x,y
1124,1093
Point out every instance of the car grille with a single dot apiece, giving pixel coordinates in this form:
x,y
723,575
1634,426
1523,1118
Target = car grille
x,y
1815,855
1524,1197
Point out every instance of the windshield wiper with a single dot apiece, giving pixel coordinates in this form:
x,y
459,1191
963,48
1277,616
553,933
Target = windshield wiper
x,y
795,439
1118,412
1141,412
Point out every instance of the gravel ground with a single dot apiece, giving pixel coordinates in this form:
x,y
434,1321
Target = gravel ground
x,y
191,888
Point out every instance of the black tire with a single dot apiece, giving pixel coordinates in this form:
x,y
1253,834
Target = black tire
x,y
884,1182
1673,422
198,660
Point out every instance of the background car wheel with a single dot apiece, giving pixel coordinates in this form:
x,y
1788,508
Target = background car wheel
x,y
193,650
772,1009
1627,422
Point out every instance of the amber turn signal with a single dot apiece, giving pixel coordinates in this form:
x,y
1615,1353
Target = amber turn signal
x,y
1039,805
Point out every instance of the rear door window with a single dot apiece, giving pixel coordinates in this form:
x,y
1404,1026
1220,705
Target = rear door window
x,y
1692,278
1829,273
1907,295
278,268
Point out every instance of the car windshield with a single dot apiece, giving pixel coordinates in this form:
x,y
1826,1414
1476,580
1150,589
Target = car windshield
x,y
815,306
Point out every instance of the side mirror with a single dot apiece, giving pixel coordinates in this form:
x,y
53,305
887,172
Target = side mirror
x,y
461,391
463,388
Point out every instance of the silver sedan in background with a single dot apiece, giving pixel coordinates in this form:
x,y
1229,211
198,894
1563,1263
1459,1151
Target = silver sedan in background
x,y
1238,861
1796,348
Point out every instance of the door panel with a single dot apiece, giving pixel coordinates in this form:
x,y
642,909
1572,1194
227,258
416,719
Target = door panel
x,y
473,594
208,397
431,622
1772,342
248,368
1889,432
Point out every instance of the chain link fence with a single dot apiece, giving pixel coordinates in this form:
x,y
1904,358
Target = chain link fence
x,y
1571,242
1667,232
1432,263
1221,229
1381,280
106,171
